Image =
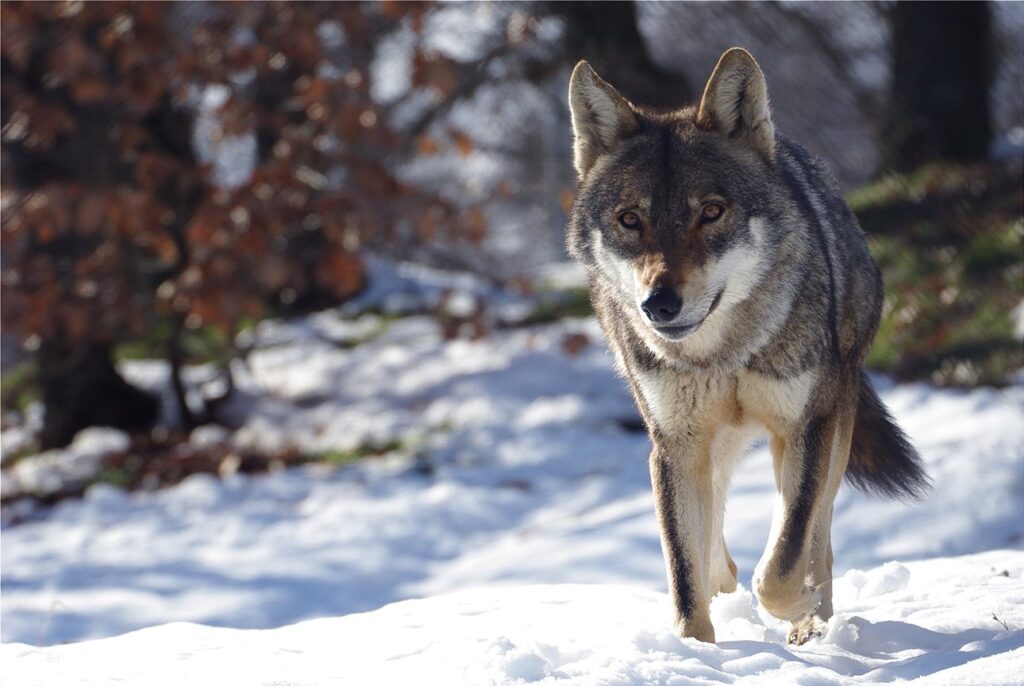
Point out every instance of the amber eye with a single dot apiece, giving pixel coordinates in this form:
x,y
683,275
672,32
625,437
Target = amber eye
x,y
630,220
711,212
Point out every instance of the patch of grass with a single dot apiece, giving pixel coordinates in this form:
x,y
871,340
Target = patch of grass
x,y
930,180
341,458
18,388
383,323
949,242
209,344
122,477
557,305
201,345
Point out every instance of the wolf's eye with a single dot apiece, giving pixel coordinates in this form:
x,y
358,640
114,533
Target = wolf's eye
x,y
711,212
630,220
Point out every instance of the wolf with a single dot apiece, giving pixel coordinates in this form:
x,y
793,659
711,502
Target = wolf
x,y
737,293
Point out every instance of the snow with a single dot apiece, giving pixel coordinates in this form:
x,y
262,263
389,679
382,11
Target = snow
x,y
52,470
391,70
507,534
232,157
926,622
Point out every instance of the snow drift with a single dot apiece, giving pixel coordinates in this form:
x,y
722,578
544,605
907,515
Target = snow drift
x,y
943,621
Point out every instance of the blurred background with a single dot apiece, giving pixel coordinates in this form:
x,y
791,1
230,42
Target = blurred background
x,y
178,179
239,238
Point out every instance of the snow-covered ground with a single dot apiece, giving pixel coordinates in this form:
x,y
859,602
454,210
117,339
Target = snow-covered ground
x,y
929,622
518,508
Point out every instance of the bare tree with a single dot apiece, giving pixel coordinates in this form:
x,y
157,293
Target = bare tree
x,y
607,35
943,66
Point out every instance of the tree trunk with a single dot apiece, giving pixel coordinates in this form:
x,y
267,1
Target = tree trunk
x,y
942,71
606,35
176,362
81,388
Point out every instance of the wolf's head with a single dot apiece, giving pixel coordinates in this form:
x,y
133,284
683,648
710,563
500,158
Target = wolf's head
x,y
670,213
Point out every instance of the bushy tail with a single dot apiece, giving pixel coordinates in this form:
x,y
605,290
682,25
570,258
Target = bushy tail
x,y
882,460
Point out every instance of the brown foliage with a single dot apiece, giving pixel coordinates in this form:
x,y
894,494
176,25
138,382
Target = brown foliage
x,y
111,225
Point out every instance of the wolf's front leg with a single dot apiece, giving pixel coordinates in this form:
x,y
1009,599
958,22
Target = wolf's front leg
x,y
820,576
820,553
793,580
683,496
801,470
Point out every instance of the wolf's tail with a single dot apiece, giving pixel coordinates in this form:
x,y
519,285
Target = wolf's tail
x,y
882,460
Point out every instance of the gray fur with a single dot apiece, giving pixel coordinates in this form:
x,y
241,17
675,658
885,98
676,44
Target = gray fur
x,y
780,302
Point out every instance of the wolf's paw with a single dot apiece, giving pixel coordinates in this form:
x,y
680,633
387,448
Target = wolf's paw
x,y
788,599
805,629
698,627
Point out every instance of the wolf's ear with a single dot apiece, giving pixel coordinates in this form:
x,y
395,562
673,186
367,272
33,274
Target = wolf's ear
x,y
735,102
601,117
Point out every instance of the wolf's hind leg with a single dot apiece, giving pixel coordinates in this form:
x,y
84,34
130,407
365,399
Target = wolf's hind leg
x,y
727,450
723,569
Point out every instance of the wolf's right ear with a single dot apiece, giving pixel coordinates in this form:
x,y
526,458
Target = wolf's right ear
x,y
601,117
735,102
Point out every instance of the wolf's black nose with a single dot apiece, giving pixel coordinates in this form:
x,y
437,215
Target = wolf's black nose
x,y
662,305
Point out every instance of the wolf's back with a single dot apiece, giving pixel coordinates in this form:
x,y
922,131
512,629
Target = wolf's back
x,y
882,460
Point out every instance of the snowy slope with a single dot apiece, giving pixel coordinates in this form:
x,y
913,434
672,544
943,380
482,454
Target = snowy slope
x,y
534,480
519,464
930,622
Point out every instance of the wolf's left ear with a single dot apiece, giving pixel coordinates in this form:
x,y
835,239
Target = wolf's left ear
x,y
601,117
735,102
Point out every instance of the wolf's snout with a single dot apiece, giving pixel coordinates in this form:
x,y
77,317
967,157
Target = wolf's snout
x,y
662,305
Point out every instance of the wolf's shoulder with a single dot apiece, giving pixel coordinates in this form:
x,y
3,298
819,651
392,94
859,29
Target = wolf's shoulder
x,y
794,157
809,179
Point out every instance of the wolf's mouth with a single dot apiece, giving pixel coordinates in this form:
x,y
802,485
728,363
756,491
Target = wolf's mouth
x,y
681,331
675,333
714,303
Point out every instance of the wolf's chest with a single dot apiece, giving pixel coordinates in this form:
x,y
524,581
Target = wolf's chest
x,y
677,401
